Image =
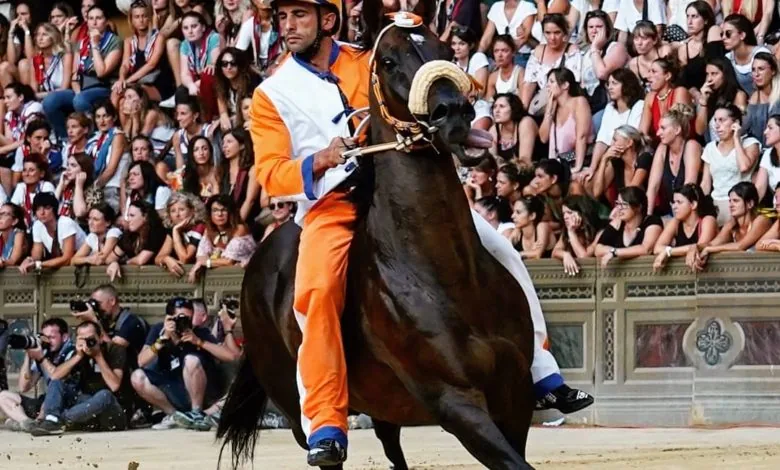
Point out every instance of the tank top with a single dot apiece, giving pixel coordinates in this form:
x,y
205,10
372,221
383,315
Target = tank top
x,y
681,239
669,181
509,152
655,113
508,86
564,137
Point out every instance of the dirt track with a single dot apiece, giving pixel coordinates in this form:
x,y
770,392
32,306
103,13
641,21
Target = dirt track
x,y
426,449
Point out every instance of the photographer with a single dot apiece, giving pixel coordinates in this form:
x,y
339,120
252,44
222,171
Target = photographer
x,y
120,326
52,349
183,380
221,325
90,397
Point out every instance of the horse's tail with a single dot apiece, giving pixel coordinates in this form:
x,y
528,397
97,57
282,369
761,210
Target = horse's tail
x,y
244,407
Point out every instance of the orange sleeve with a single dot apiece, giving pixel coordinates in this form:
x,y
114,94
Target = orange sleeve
x,y
276,169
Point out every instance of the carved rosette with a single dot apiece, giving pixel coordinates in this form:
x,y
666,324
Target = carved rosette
x,y
713,343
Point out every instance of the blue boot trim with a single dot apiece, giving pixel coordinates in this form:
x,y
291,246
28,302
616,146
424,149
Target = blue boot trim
x,y
328,432
547,385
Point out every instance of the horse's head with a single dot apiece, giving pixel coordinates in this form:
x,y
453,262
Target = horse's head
x,y
416,85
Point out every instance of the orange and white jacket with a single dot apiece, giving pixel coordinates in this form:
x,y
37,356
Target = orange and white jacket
x,y
297,112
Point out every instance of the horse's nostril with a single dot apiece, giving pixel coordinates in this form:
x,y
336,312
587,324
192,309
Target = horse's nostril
x,y
440,113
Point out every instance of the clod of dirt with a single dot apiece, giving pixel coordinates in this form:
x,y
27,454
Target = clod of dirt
x,y
78,439
133,465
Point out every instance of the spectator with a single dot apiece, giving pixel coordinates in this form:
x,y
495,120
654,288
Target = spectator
x,y
551,183
55,239
510,182
228,17
720,88
52,61
481,180
739,39
199,57
704,42
625,163
38,363
757,12
507,78
170,27
765,101
16,64
35,176
463,42
560,54
512,121
637,233
13,236
102,237
677,160
514,18
578,12
141,57
582,229
143,184
202,176
78,126
79,26
190,126
63,17
21,109
603,57
629,17
243,118
238,174
96,64
646,42
220,325
742,231
120,326
281,213
37,140
140,116
663,96
182,381
107,149
235,81
226,241
72,193
531,236
771,239
694,223
567,124
258,32
96,399
768,174
140,241
184,217
729,160
142,150
624,108
497,212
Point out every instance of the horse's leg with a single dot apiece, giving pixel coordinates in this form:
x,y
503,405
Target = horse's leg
x,y
390,436
516,427
463,413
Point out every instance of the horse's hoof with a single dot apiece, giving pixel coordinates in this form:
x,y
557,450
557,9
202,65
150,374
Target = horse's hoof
x,y
327,453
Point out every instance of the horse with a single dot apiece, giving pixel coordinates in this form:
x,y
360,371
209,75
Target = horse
x,y
436,330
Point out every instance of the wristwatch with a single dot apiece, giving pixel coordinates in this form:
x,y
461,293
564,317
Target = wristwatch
x,y
613,252
668,251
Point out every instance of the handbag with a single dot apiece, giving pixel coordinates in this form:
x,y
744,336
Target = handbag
x,y
94,196
674,33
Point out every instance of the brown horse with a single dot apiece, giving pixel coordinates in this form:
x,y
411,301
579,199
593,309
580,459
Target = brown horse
x,y
436,331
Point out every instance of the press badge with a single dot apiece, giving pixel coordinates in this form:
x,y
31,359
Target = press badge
x,y
175,363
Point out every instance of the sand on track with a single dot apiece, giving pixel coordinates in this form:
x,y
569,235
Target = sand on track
x,y
427,448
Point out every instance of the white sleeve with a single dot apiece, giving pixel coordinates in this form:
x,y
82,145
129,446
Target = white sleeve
x,y
113,232
495,10
610,6
34,108
47,187
18,165
161,198
766,161
36,232
18,195
636,114
245,34
607,128
3,195
66,227
621,21
656,11
705,155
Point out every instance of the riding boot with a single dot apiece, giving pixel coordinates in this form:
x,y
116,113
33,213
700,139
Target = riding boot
x,y
565,399
327,453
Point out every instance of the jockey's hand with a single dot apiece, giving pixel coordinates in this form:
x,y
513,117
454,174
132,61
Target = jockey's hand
x,y
330,157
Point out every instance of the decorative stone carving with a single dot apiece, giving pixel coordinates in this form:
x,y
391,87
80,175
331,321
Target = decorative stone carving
x,y
661,290
609,345
713,343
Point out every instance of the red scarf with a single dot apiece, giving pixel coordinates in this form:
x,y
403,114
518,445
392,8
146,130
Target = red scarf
x,y
28,204
66,205
198,64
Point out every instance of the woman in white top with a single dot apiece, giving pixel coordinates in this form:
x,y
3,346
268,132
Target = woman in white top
x,y
512,17
576,16
602,57
729,160
143,184
102,237
739,39
768,174
55,239
507,77
107,148
624,108
632,11
556,53
52,61
497,212
463,42
34,181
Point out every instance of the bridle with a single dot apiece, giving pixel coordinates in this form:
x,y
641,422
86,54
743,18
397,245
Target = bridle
x,y
410,135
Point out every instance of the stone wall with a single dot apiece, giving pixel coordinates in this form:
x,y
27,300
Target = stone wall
x,y
670,348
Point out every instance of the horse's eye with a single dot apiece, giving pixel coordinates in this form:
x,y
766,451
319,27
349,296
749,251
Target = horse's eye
x,y
388,63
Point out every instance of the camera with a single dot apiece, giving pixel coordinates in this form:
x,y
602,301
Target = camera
x,y
230,304
83,306
24,342
183,323
91,342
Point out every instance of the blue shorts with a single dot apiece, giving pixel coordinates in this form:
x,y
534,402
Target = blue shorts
x,y
521,58
171,383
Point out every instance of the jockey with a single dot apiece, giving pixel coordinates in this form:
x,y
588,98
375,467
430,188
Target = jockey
x,y
298,123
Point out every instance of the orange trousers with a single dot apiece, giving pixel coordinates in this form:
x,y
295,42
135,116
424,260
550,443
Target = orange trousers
x,y
320,289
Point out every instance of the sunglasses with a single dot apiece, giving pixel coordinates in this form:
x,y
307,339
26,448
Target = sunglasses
x,y
274,205
727,34
227,63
